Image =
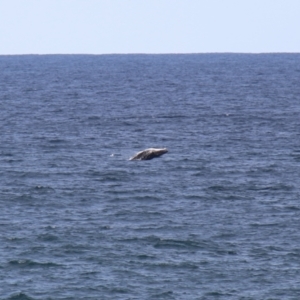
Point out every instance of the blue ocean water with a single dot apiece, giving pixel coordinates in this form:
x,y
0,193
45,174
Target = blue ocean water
x,y
217,217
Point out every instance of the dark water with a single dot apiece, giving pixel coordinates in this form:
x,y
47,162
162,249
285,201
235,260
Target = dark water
x,y
215,218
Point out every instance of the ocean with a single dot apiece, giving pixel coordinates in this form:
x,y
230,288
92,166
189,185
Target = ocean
x,y
217,217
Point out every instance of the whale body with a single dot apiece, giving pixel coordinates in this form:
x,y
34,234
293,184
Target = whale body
x,y
149,153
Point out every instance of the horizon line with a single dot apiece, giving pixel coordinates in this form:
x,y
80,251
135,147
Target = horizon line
x,y
150,53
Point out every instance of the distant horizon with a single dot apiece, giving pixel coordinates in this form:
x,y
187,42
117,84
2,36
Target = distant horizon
x,y
185,53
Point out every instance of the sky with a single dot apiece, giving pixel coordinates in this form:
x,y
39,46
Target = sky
x,y
148,26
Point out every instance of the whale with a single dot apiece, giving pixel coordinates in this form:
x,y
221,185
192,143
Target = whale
x,y
149,153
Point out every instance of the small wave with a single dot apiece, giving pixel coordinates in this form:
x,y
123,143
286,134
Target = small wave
x,y
25,197
120,291
296,155
219,188
94,118
15,238
148,198
40,189
48,237
258,224
218,295
6,154
162,295
10,161
291,207
275,187
19,296
171,243
173,265
27,263
50,227
295,253
172,116
57,141
145,257
109,176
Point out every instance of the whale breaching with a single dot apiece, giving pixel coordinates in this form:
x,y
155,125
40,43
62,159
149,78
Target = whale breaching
x,y
149,153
